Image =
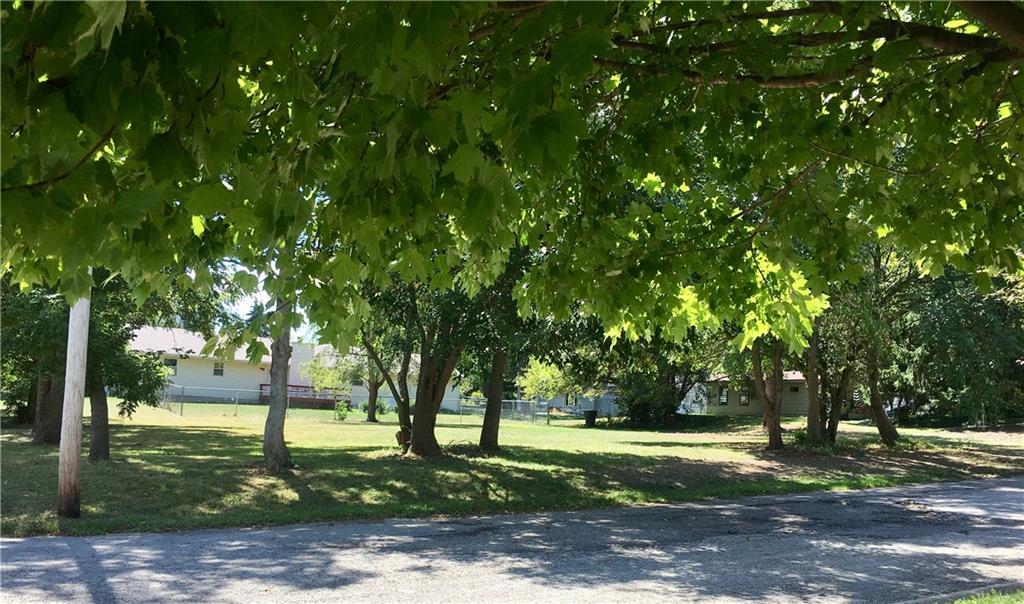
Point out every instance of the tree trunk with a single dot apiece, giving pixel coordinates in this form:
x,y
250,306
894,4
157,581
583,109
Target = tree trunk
x,y
836,400
26,413
764,398
275,452
99,424
434,378
885,428
69,503
49,408
371,402
423,442
495,392
814,431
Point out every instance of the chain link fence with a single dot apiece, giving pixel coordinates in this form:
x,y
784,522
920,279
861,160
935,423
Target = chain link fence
x,y
241,402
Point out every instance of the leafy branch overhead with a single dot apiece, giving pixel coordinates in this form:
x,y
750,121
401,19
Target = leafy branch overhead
x,y
669,163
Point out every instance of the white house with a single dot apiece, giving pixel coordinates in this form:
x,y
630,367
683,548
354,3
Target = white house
x,y
199,377
723,398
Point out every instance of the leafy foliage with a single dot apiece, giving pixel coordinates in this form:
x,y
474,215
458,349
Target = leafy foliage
x,y
325,145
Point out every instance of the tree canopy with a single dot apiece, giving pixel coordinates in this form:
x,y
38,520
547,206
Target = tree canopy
x,y
329,144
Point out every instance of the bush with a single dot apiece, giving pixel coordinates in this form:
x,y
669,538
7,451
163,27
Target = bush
x,y
341,409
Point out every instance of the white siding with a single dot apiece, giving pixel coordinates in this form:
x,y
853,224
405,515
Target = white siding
x,y
195,374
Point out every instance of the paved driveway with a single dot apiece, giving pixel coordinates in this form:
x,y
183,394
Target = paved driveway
x,y
883,545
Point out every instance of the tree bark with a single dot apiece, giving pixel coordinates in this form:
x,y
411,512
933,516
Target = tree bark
x,y
371,400
69,503
1004,18
764,398
275,452
399,392
495,392
49,408
885,428
99,424
434,378
837,398
26,413
423,441
814,431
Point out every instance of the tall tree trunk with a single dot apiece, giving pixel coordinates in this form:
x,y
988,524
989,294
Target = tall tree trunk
x,y
423,441
814,431
885,428
69,504
371,401
495,392
434,376
26,413
837,399
769,407
49,408
99,424
275,452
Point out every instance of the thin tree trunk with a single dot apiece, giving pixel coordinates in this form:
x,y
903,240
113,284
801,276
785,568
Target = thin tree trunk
x,y
275,452
371,403
814,431
768,406
27,412
49,408
99,424
495,392
885,428
837,399
69,503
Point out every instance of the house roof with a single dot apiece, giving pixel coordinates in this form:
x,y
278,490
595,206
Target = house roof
x,y
172,340
787,376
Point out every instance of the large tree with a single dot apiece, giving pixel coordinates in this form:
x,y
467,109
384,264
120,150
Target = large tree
x,y
34,337
339,143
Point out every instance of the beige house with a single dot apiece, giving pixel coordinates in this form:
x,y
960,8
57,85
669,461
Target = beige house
x,y
725,398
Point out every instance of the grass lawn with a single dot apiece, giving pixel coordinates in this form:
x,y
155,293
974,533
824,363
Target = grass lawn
x,y
174,472
1016,597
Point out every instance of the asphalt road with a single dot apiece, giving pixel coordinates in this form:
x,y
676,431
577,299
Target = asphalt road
x,y
885,545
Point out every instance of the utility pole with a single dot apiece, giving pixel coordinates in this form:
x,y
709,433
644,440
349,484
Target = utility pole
x,y
68,500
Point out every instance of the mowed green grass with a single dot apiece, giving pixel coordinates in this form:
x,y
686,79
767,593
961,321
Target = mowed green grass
x,y
172,472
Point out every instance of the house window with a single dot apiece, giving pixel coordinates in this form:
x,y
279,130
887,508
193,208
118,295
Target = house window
x,y
723,396
172,364
218,368
794,388
745,397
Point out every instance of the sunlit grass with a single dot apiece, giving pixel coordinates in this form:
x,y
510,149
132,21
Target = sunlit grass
x,y
172,472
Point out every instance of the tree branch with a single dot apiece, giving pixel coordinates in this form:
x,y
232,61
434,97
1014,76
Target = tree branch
x,y
1004,18
59,177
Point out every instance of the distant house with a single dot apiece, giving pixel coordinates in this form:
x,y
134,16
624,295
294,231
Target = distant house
x,y
194,376
724,398
198,377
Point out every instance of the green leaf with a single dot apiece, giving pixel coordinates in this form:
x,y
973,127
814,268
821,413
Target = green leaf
x,y
109,16
198,225
464,162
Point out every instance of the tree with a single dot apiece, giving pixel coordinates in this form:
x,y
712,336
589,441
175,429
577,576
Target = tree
x,y
955,355
341,141
544,380
466,129
34,336
768,388
276,456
